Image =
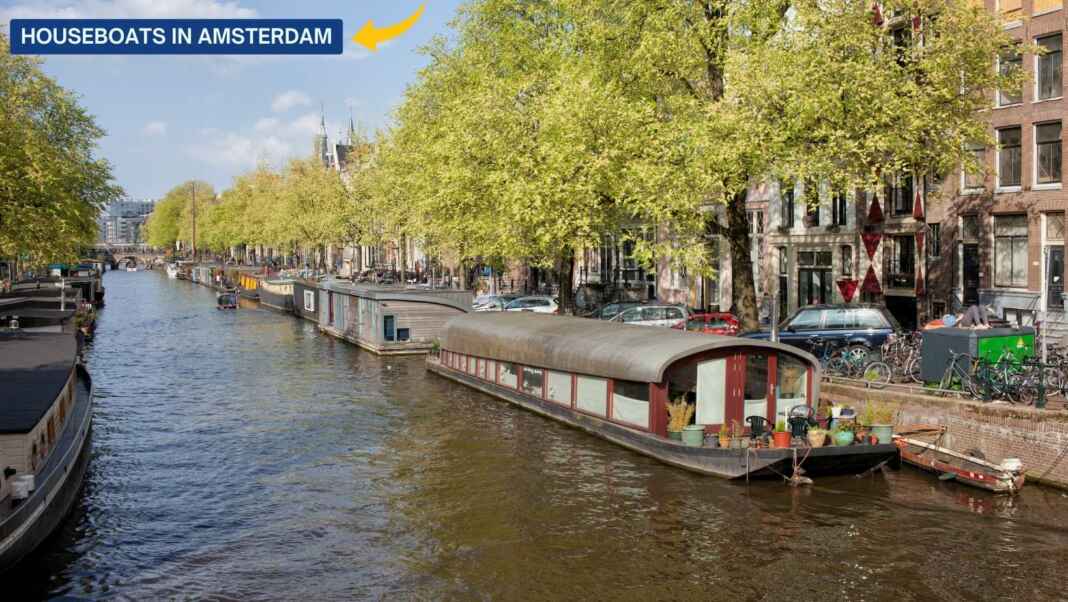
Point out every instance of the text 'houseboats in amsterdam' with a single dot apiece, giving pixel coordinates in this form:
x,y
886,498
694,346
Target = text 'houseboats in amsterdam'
x,y
614,381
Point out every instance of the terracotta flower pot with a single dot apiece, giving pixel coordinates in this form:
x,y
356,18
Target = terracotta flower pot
x,y
781,439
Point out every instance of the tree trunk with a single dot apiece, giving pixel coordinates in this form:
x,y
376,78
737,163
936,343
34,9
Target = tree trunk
x,y
743,290
567,282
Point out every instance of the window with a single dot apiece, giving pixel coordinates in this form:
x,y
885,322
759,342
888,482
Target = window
x,y
760,222
840,209
509,375
559,387
633,314
970,228
472,364
807,319
1048,68
404,334
1045,6
630,402
592,395
902,263
812,213
1010,9
899,195
972,177
483,370
787,218
841,319
1010,61
1055,228
1010,250
1048,153
870,318
784,283
791,384
1009,157
847,260
309,300
533,381
902,37
934,245
389,328
755,391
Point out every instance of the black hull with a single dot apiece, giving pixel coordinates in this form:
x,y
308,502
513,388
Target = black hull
x,y
250,295
58,487
719,462
282,303
299,306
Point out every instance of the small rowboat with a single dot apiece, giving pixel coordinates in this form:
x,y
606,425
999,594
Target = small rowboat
x,y
226,300
923,448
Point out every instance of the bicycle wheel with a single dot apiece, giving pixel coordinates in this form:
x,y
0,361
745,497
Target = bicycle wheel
x,y
877,375
912,370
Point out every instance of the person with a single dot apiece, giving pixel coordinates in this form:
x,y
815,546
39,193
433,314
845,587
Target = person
x,y
974,317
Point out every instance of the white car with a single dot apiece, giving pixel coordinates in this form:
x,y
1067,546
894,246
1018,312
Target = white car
x,y
538,305
665,316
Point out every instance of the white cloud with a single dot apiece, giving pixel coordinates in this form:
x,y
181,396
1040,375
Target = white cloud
x,y
289,99
155,128
270,140
128,9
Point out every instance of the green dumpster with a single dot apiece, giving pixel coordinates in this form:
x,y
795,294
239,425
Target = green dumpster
x,y
987,344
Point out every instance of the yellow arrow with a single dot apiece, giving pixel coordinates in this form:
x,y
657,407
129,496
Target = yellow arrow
x,y
371,36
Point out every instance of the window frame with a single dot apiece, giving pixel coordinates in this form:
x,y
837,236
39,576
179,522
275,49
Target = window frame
x,y
1035,167
1018,60
787,207
1038,67
1018,146
934,245
1012,239
965,188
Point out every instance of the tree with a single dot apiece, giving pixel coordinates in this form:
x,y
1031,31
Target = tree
x,y
52,187
172,217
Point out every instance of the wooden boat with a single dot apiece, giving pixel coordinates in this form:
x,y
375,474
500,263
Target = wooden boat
x,y
226,300
924,447
614,380
45,430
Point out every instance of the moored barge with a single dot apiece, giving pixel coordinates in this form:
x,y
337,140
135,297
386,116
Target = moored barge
x,y
277,294
45,430
614,380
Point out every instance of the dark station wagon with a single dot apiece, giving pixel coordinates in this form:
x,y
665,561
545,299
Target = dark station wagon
x,y
865,326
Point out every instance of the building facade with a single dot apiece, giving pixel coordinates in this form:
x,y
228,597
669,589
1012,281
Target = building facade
x,y
122,222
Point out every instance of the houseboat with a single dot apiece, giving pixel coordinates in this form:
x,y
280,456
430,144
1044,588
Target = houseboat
x,y
614,381
277,294
305,299
172,271
45,424
248,285
388,321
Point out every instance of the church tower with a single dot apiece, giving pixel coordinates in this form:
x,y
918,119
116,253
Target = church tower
x,y
322,142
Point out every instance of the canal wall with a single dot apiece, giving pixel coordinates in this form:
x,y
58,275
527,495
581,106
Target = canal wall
x,y
1039,438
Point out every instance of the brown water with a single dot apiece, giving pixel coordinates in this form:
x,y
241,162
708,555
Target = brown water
x,y
242,455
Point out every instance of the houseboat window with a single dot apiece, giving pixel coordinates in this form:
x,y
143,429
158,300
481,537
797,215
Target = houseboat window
x,y
483,373
630,402
792,386
471,365
560,387
756,385
508,375
309,301
711,383
533,381
404,334
389,326
593,395
458,361
445,358
491,371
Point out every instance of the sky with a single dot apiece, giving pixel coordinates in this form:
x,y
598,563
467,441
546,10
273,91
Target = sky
x,y
170,119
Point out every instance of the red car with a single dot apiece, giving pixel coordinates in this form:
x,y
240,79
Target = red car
x,y
720,323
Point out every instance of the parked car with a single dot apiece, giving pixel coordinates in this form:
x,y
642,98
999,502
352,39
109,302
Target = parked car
x,y
492,302
654,315
536,304
720,323
859,326
611,310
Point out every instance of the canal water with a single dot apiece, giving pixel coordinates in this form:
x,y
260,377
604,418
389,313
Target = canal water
x,y
244,456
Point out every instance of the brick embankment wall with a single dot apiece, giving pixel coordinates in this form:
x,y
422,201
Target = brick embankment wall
x,y
1039,438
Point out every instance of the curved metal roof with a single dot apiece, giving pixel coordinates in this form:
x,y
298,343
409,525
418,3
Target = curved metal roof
x,y
585,346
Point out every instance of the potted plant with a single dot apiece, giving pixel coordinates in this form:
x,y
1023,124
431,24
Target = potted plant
x,y
881,422
724,436
842,434
693,435
679,414
816,437
781,436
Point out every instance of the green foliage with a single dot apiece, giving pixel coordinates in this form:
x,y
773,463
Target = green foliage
x,y
52,187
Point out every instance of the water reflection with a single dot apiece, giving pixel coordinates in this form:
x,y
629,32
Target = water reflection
x,y
242,455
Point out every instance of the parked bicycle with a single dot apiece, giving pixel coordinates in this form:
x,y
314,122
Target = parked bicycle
x,y
838,359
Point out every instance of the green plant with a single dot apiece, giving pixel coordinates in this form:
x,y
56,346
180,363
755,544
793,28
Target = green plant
x,y
826,410
780,426
876,413
842,427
